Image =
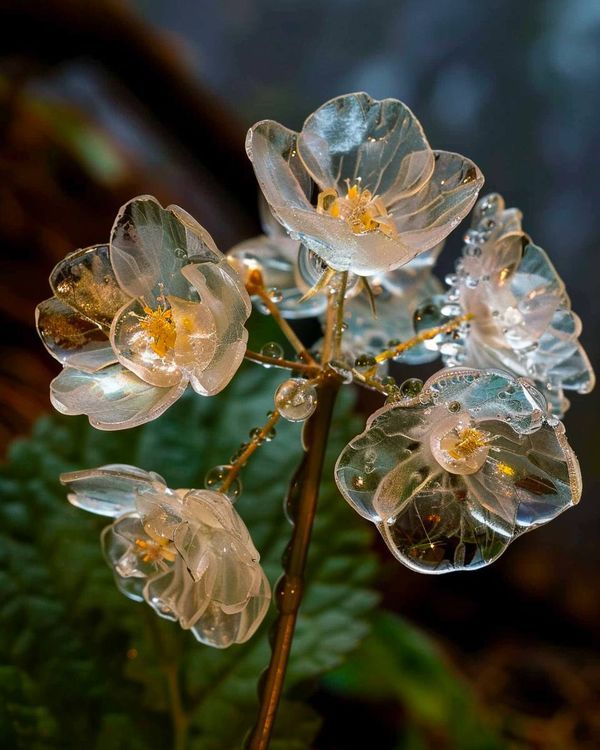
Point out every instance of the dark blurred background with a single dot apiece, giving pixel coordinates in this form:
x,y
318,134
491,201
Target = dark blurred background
x,y
102,101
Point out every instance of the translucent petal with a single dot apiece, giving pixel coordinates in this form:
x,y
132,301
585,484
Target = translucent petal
x,y
522,318
428,216
71,338
277,256
150,245
85,281
110,490
379,142
220,629
369,334
197,338
135,348
435,518
222,291
113,398
119,550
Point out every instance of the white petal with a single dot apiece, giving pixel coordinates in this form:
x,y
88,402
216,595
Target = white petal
x,y
109,490
112,398
380,142
428,216
150,245
222,291
134,348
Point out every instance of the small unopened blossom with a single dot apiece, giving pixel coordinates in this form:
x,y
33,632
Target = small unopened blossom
x,y
135,321
186,553
453,475
521,314
360,185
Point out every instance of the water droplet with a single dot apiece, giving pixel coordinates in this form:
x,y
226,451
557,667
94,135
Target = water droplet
x,y
275,295
273,350
411,388
180,252
296,399
217,475
364,362
454,406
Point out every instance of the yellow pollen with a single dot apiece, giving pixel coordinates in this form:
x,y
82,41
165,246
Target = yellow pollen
x,y
469,440
154,550
360,209
506,469
159,326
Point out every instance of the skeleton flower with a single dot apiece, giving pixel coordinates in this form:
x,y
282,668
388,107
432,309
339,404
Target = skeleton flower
x,y
398,294
135,321
452,476
382,194
522,317
276,255
187,553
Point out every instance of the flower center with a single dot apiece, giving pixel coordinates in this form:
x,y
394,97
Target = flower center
x,y
159,326
460,448
155,550
360,209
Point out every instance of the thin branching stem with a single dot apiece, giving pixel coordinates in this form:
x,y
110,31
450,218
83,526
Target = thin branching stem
x,y
284,364
256,288
256,441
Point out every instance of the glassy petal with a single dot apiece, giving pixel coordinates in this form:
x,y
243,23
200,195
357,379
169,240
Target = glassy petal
x,y
437,515
135,348
112,398
428,216
71,338
85,281
110,490
150,245
222,291
355,137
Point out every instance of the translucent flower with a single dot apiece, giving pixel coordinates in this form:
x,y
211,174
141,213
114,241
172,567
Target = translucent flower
x,y
452,476
135,321
522,317
187,553
398,294
382,195
276,255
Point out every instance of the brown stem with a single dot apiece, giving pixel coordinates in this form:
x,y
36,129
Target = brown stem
x,y
285,364
302,504
254,443
260,291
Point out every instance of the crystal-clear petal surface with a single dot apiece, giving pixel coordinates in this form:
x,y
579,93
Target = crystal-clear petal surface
x,y
452,476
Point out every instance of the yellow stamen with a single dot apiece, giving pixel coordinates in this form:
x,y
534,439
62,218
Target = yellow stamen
x,y
155,550
360,209
469,440
159,326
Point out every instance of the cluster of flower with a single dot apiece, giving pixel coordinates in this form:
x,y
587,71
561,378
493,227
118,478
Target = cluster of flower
x,y
356,208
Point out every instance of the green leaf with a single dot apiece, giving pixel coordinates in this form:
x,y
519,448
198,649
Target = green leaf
x,y
105,667
397,663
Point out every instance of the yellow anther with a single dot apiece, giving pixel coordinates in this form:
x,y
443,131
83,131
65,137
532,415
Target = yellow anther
x,y
468,441
160,327
153,551
362,211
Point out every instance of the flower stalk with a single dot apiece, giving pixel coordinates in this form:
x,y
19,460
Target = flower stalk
x,y
301,503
